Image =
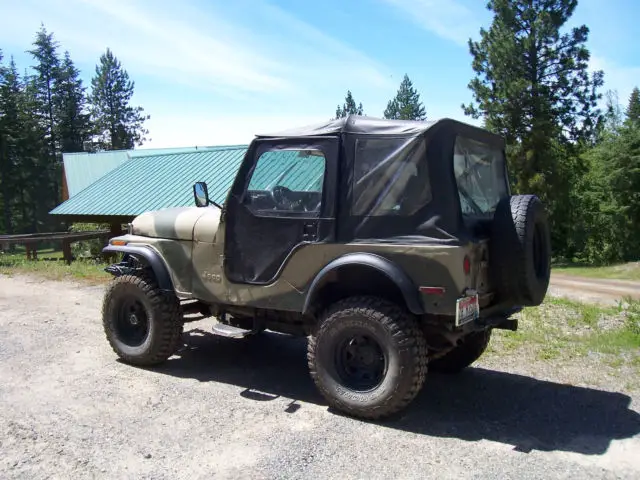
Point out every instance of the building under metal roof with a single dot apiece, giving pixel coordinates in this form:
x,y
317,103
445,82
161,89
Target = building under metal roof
x,y
156,179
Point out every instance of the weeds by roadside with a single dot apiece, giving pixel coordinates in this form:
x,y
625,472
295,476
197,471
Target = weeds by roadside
x,y
565,331
87,270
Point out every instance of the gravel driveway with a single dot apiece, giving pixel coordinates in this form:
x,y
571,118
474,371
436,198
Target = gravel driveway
x,y
247,409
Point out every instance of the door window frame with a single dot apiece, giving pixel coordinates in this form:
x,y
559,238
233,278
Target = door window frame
x,y
286,213
330,148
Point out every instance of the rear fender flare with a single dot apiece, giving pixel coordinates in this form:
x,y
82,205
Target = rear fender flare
x,y
383,265
151,257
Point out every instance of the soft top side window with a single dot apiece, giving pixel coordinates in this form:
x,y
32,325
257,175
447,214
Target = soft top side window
x,y
391,177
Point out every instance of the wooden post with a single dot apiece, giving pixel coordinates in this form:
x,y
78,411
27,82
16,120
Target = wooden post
x,y
115,230
32,251
66,252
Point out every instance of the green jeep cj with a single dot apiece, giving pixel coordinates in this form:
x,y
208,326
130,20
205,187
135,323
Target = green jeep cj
x,y
394,246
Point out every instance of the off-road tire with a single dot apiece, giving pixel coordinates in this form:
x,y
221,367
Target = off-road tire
x,y
520,251
395,331
463,355
163,315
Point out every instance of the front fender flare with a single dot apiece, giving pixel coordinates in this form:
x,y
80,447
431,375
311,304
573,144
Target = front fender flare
x,y
153,259
396,274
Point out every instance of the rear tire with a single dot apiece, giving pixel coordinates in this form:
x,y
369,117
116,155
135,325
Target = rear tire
x,y
142,323
367,357
462,356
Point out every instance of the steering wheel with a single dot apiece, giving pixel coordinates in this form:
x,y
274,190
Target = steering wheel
x,y
281,196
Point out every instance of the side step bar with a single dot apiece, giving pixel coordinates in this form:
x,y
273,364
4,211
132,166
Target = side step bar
x,y
230,331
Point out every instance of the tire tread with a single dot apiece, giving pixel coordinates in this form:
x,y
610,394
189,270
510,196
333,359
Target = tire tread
x,y
403,327
166,312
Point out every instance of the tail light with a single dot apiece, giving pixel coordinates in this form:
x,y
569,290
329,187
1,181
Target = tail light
x,y
466,265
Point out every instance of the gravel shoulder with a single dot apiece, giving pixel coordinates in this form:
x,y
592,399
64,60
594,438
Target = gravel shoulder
x,y
594,290
248,409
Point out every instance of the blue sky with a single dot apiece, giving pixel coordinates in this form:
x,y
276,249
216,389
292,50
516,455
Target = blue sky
x,y
218,71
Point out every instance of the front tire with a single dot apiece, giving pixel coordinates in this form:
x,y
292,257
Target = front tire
x,y
142,323
463,355
367,357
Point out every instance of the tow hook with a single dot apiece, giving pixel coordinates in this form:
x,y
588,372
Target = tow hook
x,y
508,324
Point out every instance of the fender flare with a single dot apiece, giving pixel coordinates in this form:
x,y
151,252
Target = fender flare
x,y
153,259
383,265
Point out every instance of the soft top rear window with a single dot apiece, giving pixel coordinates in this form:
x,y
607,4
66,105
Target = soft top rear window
x,y
480,176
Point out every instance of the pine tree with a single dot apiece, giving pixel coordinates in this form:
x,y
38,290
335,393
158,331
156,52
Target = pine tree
x,y
406,105
532,85
9,136
47,70
633,110
118,124
33,151
73,126
21,148
349,107
42,87
5,164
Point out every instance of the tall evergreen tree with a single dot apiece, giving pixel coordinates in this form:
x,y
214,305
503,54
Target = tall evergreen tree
x,y
349,107
21,147
42,87
5,165
532,82
633,109
73,126
47,69
533,86
118,124
406,105
33,152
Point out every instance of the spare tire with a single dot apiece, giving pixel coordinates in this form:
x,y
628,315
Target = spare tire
x,y
520,251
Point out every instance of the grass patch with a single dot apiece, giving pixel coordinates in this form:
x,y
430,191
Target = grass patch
x,y
50,266
565,330
626,271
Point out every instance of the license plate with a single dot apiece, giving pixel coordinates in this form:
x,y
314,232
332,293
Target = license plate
x,y
467,310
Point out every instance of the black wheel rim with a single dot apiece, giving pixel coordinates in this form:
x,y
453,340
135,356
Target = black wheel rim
x,y
539,263
360,362
132,322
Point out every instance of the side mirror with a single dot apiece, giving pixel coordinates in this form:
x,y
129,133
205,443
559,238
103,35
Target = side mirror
x,y
201,194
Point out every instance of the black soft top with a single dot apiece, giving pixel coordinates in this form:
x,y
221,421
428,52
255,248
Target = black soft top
x,y
360,125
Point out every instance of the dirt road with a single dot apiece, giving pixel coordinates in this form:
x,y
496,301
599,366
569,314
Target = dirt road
x,y
248,409
605,291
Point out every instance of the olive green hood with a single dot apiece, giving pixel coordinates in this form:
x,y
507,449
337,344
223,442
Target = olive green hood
x,y
172,223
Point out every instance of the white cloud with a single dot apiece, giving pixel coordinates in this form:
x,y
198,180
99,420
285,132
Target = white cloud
x,y
197,66
449,19
167,44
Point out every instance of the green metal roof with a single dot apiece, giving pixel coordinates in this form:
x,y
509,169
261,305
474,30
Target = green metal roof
x,y
82,169
152,182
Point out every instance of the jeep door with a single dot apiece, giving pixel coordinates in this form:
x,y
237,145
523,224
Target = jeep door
x,y
282,199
